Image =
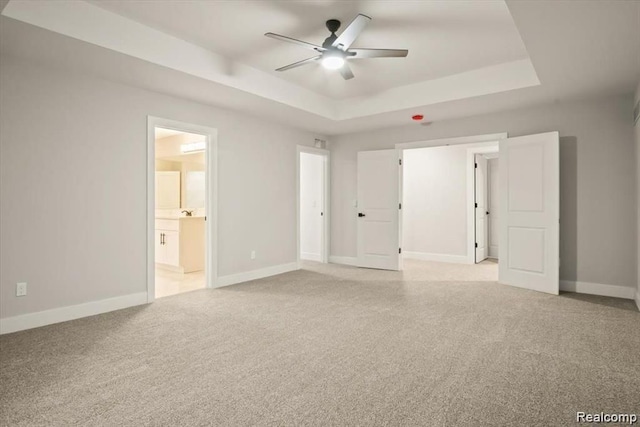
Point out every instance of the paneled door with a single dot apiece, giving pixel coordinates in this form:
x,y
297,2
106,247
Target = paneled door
x,y
529,184
379,181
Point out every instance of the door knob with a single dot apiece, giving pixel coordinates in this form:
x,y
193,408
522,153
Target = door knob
x,y
360,214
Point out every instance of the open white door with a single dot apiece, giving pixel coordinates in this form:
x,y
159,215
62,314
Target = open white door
x,y
530,212
481,208
379,209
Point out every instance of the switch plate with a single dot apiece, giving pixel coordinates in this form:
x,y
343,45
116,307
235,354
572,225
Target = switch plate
x,y
253,254
21,289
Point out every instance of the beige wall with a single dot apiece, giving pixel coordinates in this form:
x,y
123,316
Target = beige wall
x,y
167,165
637,144
78,233
597,191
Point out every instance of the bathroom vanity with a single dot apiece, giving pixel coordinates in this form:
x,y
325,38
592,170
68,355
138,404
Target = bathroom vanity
x,y
180,244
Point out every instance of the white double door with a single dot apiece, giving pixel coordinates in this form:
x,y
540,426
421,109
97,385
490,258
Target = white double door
x,y
529,211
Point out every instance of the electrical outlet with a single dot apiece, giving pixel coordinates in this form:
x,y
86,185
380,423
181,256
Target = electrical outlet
x,y
253,254
21,289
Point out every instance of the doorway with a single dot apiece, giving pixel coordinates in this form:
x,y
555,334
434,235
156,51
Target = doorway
x,y
445,202
528,190
181,207
313,212
485,204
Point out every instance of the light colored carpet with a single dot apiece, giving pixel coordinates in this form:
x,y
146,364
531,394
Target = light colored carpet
x,y
332,345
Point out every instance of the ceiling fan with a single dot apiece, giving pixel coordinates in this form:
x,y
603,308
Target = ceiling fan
x,y
336,50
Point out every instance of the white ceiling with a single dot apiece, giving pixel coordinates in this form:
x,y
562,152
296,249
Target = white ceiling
x,y
578,49
443,38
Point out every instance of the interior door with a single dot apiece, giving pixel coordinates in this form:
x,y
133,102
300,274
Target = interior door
x,y
379,209
481,208
494,210
530,212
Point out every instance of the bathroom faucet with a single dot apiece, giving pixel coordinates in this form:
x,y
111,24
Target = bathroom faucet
x,y
189,213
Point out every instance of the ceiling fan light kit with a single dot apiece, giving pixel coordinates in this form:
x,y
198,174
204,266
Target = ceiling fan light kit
x,y
332,62
336,50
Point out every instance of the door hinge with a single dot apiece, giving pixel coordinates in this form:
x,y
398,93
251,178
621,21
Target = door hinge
x,y
399,205
400,162
399,250
476,245
475,166
476,206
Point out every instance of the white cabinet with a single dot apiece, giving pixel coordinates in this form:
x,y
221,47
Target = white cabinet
x,y
168,190
168,247
180,244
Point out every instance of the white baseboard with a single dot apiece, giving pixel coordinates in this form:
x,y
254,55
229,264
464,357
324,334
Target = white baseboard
x,y
261,273
346,260
310,256
63,314
638,299
424,256
597,289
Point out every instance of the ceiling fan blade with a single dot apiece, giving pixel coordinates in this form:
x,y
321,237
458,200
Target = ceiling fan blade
x,y
299,63
346,72
294,41
378,53
352,32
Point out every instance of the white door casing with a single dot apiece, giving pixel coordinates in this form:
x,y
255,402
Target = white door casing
x,y
481,208
530,212
378,184
211,199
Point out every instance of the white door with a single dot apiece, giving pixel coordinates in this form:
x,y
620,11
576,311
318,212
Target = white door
x,y
379,209
494,211
530,212
311,206
481,207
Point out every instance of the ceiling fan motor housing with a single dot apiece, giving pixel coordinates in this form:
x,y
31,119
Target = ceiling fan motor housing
x,y
332,25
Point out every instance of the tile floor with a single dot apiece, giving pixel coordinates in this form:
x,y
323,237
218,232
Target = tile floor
x,y
172,283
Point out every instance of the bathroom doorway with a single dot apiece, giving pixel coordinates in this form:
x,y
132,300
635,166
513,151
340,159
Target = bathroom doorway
x,y
180,200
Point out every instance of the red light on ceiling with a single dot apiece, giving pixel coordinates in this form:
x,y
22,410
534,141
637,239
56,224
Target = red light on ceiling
x,y
417,117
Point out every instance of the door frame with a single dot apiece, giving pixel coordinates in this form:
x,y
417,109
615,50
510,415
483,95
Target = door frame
x,y
326,221
471,151
211,198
